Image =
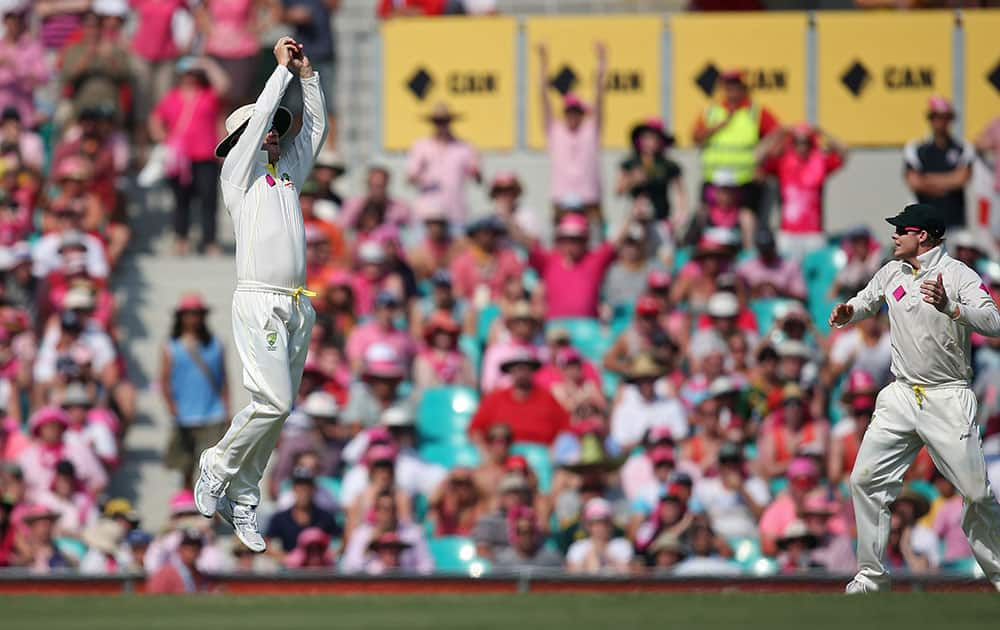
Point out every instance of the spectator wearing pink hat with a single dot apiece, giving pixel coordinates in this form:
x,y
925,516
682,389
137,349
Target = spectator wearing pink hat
x,y
574,143
181,573
384,518
374,274
534,415
803,479
526,550
859,399
698,279
599,553
439,362
438,166
312,551
834,552
939,166
184,519
376,206
194,385
39,461
802,157
381,373
23,63
576,270
68,496
649,173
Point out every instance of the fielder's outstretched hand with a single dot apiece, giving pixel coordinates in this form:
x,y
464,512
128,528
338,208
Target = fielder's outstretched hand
x,y
842,313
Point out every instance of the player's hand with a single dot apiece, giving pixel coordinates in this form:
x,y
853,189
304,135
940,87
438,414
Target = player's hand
x,y
934,293
842,313
284,48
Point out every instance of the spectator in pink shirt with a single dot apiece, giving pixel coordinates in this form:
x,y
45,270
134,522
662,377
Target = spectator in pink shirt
x,y
229,29
376,207
439,165
23,66
947,513
154,51
522,331
574,143
186,121
797,157
803,479
38,461
373,275
381,329
485,262
768,275
571,273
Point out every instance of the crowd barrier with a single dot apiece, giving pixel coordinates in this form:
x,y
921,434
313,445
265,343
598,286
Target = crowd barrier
x,y
309,582
865,77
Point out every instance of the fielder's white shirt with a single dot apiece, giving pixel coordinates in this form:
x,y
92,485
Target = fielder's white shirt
x,y
264,201
928,347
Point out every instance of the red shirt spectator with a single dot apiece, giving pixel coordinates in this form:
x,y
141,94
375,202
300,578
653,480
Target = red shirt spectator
x,y
533,414
396,8
801,165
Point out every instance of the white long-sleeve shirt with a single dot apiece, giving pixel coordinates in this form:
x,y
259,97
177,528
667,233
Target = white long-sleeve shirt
x,y
264,200
929,348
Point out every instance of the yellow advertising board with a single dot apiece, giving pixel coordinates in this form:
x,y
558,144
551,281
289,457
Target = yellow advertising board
x,y
468,64
770,49
632,84
982,70
875,72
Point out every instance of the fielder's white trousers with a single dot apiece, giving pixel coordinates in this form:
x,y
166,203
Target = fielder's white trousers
x,y
271,330
943,419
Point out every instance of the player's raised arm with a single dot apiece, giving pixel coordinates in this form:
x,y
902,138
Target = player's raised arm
x,y
865,304
309,141
237,170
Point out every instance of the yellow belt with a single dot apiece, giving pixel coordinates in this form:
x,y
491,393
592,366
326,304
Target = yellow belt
x,y
261,287
920,394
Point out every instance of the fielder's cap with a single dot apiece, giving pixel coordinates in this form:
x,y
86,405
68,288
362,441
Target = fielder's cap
x,y
922,216
237,122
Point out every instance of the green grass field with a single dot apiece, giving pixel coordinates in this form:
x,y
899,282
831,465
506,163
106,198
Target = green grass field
x,y
509,612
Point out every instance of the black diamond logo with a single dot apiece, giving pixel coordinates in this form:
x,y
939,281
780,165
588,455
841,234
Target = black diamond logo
x,y
420,83
994,77
564,80
856,78
707,78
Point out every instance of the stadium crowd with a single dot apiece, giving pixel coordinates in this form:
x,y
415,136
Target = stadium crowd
x,y
656,395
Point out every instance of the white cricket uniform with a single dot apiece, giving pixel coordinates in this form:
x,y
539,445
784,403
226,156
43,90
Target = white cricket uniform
x,y
272,315
929,403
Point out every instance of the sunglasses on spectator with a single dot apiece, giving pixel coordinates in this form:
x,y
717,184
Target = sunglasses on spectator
x,y
903,231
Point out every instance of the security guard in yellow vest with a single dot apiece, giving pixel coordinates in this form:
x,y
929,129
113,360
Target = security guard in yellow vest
x,y
728,133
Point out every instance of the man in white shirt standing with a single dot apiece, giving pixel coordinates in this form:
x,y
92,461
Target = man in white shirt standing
x,y
272,316
935,302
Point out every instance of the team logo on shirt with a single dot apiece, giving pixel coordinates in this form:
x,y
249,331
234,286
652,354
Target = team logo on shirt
x,y
287,180
272,339
899,293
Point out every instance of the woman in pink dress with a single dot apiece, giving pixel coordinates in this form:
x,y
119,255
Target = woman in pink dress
x,y
229,29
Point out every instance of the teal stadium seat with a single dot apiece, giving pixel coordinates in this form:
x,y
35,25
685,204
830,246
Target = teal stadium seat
x,y
486,316
587,335
473,351
539,460
445,412
456,555
819,269
450,455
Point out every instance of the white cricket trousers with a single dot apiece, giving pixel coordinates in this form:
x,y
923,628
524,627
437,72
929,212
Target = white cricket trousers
x,y
271,330
944,419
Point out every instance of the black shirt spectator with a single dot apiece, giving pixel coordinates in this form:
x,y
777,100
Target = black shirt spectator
x,y
284,527
659,174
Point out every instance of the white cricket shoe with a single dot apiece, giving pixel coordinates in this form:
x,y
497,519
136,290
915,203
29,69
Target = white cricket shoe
x,y
208,488
243,518
856,587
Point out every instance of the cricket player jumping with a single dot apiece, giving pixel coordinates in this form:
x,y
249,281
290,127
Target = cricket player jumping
x,y
272,316
935,302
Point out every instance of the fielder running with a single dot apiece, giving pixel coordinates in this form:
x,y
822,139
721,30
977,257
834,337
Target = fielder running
x,y
934,302
272,316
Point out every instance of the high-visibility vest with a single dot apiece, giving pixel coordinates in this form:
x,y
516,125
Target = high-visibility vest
x,y
732,147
